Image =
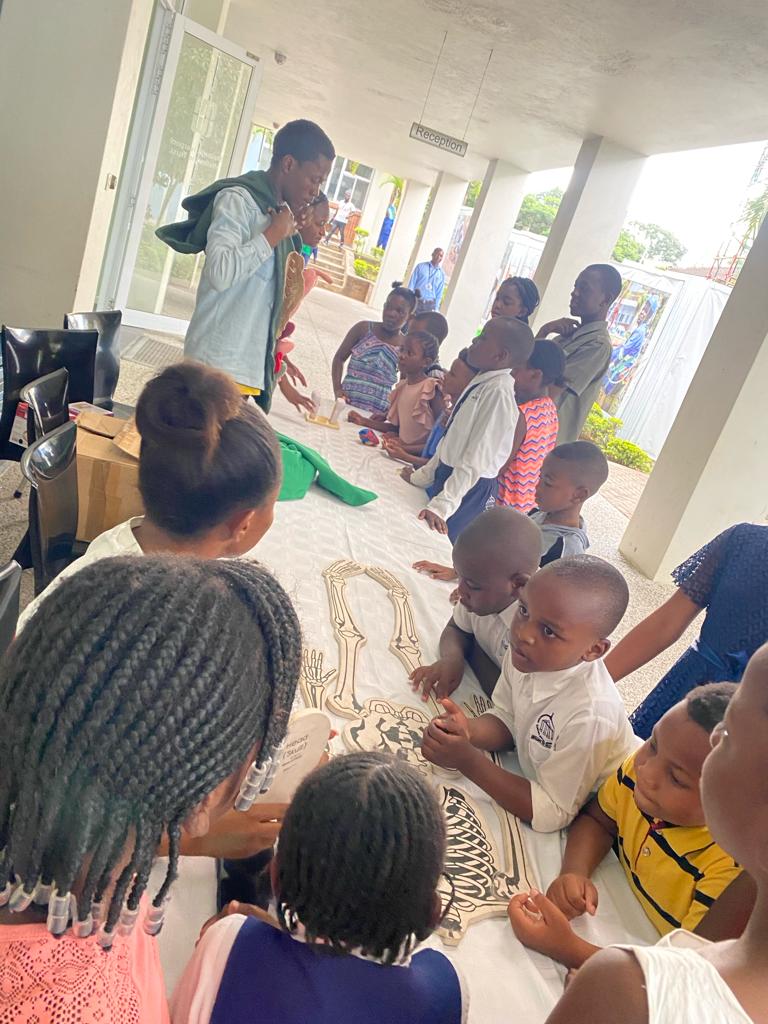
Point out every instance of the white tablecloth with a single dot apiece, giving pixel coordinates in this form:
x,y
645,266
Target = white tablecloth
x,y
505,980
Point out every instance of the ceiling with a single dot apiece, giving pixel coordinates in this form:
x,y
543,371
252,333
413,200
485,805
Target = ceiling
x,y
655,76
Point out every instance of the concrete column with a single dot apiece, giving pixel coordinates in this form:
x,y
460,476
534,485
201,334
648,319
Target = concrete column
x,y
447,200
591,215
395,262
711,471
375,209
72,67
484,246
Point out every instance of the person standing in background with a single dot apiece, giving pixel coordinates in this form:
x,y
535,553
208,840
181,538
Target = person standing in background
x,y
586,344
429,279
340,218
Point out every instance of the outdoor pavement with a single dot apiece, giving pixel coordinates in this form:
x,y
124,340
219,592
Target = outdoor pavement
x,y
321,324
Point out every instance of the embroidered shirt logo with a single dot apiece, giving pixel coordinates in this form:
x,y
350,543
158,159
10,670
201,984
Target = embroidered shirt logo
x,y
545,731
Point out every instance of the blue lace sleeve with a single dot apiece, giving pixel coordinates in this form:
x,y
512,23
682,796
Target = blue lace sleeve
x,y
698,575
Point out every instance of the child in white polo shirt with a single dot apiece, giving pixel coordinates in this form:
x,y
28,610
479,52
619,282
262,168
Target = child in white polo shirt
x,y
494,557
555,702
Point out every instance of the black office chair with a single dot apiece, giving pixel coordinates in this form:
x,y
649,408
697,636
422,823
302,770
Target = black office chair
x,y
107,373
29,354
50,466
10,584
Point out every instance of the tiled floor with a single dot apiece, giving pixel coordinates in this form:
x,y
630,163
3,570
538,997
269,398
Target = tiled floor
x,y
322,323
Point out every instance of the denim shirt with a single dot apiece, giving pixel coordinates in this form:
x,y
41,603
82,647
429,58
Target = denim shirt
x,y
229,328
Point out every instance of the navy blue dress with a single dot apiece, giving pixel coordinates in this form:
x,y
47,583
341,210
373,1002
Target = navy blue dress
x,y
271,978
728,577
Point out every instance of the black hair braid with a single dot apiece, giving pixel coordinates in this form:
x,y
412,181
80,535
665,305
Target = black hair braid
x,y
361,850
154,690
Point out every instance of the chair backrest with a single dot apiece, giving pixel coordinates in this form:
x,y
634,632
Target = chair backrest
x,y
49,465
10,583
107,322
48,401
29,354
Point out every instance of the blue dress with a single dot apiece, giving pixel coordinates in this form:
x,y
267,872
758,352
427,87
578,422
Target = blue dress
x,y
270,978
728,577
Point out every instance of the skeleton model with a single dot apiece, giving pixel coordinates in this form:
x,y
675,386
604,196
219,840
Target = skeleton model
x,y
391,729
483,880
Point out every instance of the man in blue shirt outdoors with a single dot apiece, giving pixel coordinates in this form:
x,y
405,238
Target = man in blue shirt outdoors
x,y
429,278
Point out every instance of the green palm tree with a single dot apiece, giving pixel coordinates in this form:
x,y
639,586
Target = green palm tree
x,y
754,213
397,185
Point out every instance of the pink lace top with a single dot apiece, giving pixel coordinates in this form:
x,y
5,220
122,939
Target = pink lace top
x,y
44,980
410,411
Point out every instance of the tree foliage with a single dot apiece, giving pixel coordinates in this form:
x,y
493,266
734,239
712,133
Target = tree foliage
x,y
648,243
537,211
627,247
472,193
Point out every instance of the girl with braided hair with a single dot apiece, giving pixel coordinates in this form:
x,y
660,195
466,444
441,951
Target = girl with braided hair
x,y
516,296
355,879
131,710
209,473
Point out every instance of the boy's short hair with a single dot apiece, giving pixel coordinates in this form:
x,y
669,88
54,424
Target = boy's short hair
x,y
548,356
598,581
587,465
610,279
434,323
515,336
706,705
303,140
511,538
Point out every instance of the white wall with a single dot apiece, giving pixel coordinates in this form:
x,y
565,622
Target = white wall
x,y
68,72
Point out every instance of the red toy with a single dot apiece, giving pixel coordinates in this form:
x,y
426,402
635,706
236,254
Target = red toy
x,y
367,436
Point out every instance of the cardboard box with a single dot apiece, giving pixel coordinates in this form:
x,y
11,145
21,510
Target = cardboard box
x,y
107,473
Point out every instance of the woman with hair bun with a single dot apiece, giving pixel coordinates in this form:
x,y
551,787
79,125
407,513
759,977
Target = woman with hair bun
x,y
372,350
209,473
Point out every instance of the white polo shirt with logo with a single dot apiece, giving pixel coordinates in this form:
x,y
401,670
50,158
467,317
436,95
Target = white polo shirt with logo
x,y
571,732
491,632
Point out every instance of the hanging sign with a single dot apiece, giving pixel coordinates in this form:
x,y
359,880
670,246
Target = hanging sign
x,y
440,140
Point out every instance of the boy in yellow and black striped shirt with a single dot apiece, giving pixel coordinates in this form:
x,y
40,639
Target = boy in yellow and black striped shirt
x,y
650,812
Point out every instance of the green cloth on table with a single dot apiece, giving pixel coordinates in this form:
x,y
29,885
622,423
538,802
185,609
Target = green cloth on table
x,y
301,465
191,235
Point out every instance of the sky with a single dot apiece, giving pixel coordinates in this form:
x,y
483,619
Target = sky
x,y
697,194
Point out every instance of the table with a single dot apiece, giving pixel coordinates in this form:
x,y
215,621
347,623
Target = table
x,y
307,536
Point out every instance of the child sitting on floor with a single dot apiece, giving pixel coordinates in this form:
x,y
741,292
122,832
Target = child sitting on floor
x,y
555,703
652,808
494,557
536,428
372,350
685,979
134,706
570,474
433,323
461,478
355,879
209,474
416,402
455,380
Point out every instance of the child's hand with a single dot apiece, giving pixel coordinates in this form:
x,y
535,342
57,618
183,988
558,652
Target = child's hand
x,y
295,397
446,740
323,276
574,895
433,521
294,372
436,571
233,907
406,473
283,225
443,675
355,417
237,835
540,925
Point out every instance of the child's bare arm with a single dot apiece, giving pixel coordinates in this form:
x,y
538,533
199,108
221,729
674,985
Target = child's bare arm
x,y
727,917
374,422
590,837
446,673
652,636
521,430
485,668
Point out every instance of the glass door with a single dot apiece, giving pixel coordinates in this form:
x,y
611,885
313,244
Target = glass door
x,y
200,129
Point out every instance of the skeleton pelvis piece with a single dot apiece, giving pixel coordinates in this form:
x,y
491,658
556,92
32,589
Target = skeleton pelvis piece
x,y
484,878
391,729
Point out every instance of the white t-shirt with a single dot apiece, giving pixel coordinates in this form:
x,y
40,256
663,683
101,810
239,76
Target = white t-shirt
x,y
682,987
120,540
343,212
490,631
570,730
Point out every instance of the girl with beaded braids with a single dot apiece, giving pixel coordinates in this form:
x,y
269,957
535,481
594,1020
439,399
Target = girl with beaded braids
x,y
131,710
209,473
355,879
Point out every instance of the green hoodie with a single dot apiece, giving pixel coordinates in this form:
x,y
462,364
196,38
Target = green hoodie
x,y
190,236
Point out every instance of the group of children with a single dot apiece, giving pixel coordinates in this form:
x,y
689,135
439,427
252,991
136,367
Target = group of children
x,y
144,699
141,700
